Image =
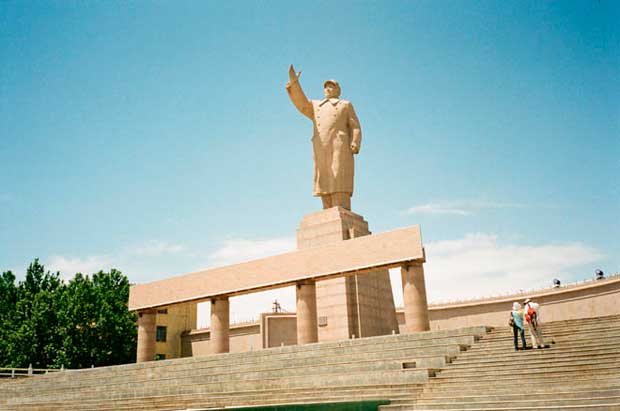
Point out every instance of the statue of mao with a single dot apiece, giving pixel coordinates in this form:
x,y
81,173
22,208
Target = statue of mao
x,y
336,138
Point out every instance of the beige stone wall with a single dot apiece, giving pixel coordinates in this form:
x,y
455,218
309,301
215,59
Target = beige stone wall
x,y
278,329
180,319
585,300
273,330
246,337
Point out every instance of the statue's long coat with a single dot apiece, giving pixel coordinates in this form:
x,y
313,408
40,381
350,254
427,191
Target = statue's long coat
x,y
336,127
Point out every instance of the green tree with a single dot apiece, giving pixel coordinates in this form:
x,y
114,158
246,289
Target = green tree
x,y
98,329
32,336
8,300
49,323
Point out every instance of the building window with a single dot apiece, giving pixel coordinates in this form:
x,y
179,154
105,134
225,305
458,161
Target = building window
x,y
161,334
162,311
323,321
160,357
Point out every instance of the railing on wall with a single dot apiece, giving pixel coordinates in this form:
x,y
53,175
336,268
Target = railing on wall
x,y
522,293
26,372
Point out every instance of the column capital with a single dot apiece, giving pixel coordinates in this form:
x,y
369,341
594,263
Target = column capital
x,y
305,282
146,311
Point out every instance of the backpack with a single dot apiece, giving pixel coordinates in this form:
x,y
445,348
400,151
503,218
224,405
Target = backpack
x,y
530,315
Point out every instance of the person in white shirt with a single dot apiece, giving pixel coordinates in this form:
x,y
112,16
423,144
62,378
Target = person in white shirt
x,y
531,314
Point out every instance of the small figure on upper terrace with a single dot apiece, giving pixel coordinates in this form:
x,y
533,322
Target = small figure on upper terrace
x,y
337,137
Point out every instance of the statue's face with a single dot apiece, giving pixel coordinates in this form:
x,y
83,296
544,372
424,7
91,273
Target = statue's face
x,y
331,91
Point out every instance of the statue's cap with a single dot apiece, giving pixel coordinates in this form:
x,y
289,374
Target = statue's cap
x,y
334,82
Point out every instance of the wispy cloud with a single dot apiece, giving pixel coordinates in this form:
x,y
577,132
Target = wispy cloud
x,y
147,261
156,248
237,250
433,208
69,266
481,265
462,208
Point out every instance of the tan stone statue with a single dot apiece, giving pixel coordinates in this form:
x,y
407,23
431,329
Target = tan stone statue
x,y
336,138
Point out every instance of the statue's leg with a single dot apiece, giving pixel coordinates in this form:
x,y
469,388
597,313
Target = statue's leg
x,y
341,199
327,201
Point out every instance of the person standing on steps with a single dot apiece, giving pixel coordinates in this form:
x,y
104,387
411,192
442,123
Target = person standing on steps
x,y
531,314
516,320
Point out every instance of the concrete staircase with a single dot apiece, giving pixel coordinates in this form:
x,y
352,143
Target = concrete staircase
x,y
467,369
394,368
580,371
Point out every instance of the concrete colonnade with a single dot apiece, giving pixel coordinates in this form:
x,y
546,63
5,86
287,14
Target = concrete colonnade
x,y
414,298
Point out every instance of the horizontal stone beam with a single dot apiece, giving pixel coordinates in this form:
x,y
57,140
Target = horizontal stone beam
x,y
356,256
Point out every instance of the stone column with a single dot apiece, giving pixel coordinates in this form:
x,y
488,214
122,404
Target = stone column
x,y
220,325
306,313
414,298
146,336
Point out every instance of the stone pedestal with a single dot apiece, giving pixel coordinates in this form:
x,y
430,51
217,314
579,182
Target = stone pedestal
x,y
361,305
414,298
220,325
146,336
306,313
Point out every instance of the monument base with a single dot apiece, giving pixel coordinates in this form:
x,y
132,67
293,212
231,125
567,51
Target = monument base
x,y
354,306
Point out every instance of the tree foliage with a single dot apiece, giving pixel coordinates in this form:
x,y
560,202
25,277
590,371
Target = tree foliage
x,y
50,323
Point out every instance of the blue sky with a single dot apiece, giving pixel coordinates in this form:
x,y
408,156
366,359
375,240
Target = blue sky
x,y
157,137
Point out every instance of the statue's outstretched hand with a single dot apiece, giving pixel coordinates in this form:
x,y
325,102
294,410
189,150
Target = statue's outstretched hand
x,y
292,76
355,148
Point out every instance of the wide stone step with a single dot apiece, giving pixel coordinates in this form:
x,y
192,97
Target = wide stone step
x,y
516,404
608,376
557,337
549,370
576,393
551,353
507,354
574,385
455,345
265,371
198,377
505,333
559,328
533,364
590,343
387,390
412,376
554,339
391,359
589,407
181,402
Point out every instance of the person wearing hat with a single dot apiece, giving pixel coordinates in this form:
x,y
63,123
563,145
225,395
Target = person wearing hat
x,y
532,318
516,320
337,137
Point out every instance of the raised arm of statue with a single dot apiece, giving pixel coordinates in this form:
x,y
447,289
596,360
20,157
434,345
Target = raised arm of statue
x,y
296,94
